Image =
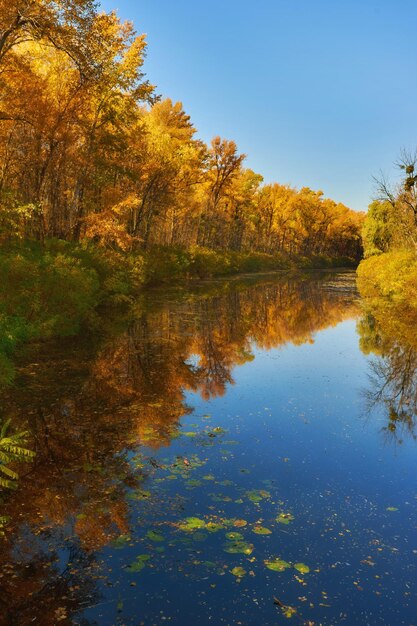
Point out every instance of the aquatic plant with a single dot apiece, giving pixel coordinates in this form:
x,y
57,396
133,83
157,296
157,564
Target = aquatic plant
x,y
11,450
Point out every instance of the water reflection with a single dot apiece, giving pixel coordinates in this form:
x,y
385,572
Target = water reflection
x,y
89,403
387,331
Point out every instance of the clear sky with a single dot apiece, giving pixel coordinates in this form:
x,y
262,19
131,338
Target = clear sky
x,y
318,93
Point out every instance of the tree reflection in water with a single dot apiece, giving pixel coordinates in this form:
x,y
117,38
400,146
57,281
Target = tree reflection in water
x,y
387,331
90,404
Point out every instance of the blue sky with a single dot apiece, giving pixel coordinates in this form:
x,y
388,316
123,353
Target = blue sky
x,y
318,93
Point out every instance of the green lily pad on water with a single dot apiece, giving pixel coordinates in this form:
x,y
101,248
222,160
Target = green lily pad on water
x,y
121,541
190,524
239,572
153,535
139,563
214,527
261,530
234,536
193,482
238,547
302,568
256,495
285,518
277,565
392,508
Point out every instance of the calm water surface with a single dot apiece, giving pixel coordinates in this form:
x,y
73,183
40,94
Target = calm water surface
x,y
209,457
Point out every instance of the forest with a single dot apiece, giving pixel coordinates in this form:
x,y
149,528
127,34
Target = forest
x,y
91,152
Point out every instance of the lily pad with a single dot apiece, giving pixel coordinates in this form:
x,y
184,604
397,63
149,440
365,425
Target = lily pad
x,y
277,565
238,547
139,563
193,482
392,508
234,536
240,523
239,572
256,495
213,527
190,524
153,535
302,568
121,541
261,530
285,518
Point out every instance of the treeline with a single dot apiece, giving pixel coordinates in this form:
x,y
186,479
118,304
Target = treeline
x,y
88,151
390,239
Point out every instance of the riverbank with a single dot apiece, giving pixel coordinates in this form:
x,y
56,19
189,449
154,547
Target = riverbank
x,y
51,290
391,276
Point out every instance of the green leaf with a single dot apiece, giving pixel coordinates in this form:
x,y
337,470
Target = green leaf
x,y
153,535
277,565
191,523
285,518
238,547
239,572
302,568
261,530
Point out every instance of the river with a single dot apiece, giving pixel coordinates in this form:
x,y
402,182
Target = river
x,y
225,453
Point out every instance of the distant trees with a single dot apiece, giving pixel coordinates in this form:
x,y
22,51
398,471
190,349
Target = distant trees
x,y
87,150
391,221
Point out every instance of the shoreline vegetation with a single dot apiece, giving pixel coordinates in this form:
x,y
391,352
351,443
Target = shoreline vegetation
x,y
389,268
53,289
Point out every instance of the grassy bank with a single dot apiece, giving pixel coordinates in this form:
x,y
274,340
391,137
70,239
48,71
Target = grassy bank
x,y
51,290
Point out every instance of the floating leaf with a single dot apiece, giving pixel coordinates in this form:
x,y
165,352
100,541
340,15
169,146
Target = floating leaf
x,y
140,494
193,482
139,563
213,527
190,524
261,530
239,572
234,536
256,495
302,568
153,535
289,611
285,518
277,565
392,508
238,547
240,523
121,541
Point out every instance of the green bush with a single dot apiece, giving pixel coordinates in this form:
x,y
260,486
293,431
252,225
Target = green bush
x,y
391,275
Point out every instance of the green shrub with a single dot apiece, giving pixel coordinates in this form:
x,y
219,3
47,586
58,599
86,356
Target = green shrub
x,y
12,449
